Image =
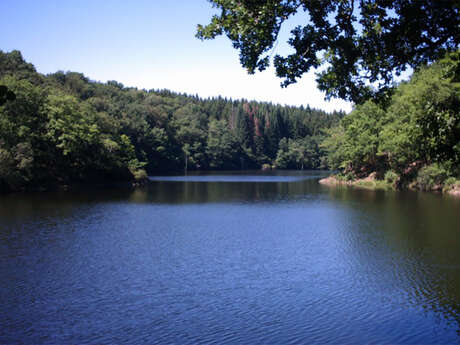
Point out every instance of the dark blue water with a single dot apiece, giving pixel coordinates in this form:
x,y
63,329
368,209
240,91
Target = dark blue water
x,y
273,258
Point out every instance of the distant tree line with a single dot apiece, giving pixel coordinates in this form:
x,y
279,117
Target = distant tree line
x,y
63,128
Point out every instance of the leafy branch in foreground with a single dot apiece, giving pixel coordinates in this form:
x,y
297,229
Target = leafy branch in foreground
x,y
358,43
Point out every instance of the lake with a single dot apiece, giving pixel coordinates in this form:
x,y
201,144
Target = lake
x,y
225,258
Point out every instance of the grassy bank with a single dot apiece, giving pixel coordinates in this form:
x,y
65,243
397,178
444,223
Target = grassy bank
x,y
450,186
369,182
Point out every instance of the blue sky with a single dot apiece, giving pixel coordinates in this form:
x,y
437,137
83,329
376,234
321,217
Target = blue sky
x,y
144,43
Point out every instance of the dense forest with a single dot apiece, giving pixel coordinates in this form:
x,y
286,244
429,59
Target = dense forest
x,y
413,141
64,128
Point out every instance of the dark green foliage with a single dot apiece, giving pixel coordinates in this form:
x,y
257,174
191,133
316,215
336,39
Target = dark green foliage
x,y
298,154
6,95
359,42
391,177
223,148
64,128
362,129
416,136
450,184
431,177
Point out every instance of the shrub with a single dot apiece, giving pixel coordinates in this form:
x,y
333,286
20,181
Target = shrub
x,y
140,174
431,177
349,176
365,184
451,183
340,177
266,166
383,185
391,177
373,184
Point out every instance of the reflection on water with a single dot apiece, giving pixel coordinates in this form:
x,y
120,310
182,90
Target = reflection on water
x,y
274,258
421,230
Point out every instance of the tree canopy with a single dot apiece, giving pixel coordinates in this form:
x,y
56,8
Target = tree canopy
x,y
63,128
6,95
417,137
361,45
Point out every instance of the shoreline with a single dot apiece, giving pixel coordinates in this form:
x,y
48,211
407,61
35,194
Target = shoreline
x,y
79,185
370,183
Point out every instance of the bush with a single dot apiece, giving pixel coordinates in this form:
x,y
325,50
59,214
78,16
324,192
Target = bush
x,y
340,177
451,183
365,184
383,185
431,177
391,177
266,166
140,175
373,184
350,176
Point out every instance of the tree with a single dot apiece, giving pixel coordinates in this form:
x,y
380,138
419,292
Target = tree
x,y
6,95
297,154
334,146
420,128
359,43
64,128
423,121
222,147
362,129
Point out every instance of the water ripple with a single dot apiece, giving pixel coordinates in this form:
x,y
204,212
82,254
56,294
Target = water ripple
x,y
285,262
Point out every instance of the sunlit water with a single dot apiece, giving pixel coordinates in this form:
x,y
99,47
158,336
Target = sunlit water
x,y
230,258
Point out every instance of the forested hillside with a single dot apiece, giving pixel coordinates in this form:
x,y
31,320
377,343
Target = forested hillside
x,y
64,128
412,142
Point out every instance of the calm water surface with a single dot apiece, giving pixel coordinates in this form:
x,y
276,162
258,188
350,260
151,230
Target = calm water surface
x,y
230,258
